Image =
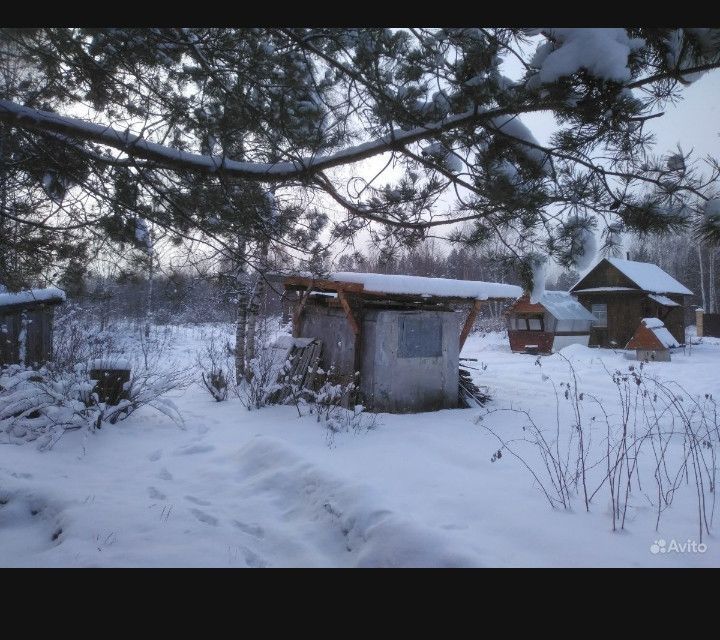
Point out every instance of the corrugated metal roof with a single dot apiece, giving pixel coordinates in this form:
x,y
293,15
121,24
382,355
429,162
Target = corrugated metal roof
x,y
560,304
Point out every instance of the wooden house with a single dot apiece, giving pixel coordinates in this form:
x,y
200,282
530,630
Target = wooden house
x,y
26,325
401,335
555,321
620,293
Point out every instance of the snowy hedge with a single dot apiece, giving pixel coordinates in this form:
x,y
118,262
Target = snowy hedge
x,y
41,405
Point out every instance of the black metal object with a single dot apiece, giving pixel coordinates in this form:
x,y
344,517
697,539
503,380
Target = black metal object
x,y
111,384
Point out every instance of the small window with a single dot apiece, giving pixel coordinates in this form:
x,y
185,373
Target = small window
x,y
420,336
600,313
535,324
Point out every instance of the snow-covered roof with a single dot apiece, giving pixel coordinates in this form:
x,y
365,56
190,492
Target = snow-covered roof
x,y
603,289
649,277
109,362
652,334
657,326
428,287
51,294
564,307
663,300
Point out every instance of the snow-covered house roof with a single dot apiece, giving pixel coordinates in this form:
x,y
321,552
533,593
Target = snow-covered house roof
x,y
380,284
560,304
652,334
50,295
663,300
646,275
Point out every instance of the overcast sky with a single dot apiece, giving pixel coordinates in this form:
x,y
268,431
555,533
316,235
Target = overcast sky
x,y
693,123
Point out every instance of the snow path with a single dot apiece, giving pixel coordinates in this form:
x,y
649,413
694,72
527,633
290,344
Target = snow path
x,y
264,489
190,504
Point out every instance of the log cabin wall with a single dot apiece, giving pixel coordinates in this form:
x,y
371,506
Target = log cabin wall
x,y
38,321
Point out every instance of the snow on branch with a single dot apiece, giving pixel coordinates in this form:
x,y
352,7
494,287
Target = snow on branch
x,y
136,146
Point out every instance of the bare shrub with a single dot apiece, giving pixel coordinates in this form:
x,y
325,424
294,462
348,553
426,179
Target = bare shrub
x,y
661,438
217,368
149,387
262,371
332,400
77,339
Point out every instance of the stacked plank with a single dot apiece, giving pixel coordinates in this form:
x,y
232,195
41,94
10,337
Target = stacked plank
x,y
469,394
302,362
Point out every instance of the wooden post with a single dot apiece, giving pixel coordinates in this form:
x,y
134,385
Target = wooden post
x,y
298,311
469,322
699,313
357,343
349,312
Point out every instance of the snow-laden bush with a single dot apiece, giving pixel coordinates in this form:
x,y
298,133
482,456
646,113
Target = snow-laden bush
x,y
41,405
261,381
148,387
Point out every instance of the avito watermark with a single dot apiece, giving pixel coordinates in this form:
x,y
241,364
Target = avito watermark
x,y
689,546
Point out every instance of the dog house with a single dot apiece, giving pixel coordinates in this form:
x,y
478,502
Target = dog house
x,y
26,325
652,341
555,321
402,334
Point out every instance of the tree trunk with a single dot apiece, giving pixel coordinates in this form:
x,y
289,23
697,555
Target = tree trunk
x,y
256,301
151,279
242,304
712,284
702,279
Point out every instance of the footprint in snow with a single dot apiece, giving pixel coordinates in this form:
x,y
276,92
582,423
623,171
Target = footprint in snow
x,y
251,529
195,500
155,456
165,474
155,494
204,517
253,560
196,448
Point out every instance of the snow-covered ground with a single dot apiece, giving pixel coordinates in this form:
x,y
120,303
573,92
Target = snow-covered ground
x,y
266,488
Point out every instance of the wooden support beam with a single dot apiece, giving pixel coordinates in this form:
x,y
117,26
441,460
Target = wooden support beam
x,y
349,312
298,311
299,282
469,322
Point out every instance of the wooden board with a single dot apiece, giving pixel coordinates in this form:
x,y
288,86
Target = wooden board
x,y
304,361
